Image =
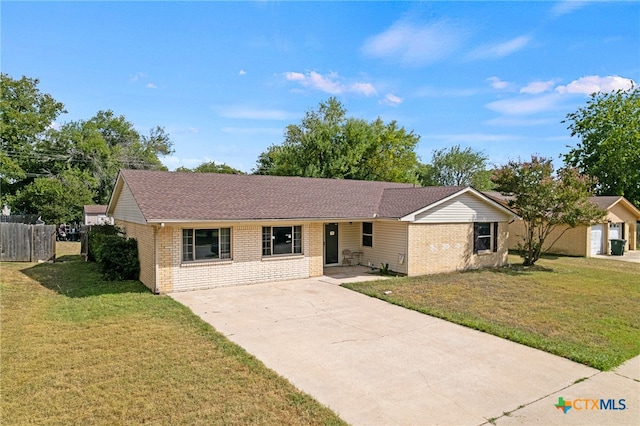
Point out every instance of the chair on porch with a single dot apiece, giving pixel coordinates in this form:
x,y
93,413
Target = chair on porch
x,y
347,257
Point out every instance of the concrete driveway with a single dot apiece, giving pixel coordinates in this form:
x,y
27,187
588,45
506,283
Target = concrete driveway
x,y
628,256
378,364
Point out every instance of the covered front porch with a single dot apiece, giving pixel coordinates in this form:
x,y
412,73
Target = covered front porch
x,y
348,274
366,243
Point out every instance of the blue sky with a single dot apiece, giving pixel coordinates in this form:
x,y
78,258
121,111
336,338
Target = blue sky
x,y
225,78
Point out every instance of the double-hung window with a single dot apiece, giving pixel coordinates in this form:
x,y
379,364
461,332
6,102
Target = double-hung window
x,y
206,244
279,240
485,237
367,234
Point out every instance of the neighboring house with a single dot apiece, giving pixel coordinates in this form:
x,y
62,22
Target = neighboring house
x,y
96,215
200,230
620,222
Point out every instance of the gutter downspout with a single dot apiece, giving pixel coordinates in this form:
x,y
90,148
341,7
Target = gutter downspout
x,y
155,259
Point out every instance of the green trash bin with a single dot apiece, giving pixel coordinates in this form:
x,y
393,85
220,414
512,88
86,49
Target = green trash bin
x,y
617,247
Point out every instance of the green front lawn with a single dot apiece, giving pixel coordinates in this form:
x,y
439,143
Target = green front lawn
x,y
587,310
79,350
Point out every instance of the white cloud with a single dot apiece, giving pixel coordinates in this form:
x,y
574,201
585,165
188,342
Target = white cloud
x,y
133,78
536,87
566,7
499,84
242,72
525,106
437,92
54,126
151,86
391,99
326,84
330,83
251,113
500,50
594,83
294,76
366,89
414,44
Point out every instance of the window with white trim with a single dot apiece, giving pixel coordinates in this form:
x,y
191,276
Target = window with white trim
x,y
485,237
281,240
206,244
367,234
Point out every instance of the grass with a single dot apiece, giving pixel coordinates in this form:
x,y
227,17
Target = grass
x,y
586,310
79,350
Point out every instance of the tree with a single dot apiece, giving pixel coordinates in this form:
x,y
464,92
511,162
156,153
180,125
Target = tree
x,y
456,167
57,199
25,115
328,144
52,170
609,147
100,147
545,201
212,167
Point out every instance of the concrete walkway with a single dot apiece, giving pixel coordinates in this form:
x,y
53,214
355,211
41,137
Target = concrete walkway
x,y
374,363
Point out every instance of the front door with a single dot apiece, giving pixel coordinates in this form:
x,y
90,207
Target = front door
x,y
331,243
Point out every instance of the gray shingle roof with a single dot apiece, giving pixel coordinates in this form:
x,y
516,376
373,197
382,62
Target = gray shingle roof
x,y
174,196
604,201
399,202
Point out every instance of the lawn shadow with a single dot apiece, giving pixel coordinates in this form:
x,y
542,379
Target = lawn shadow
x,y
520,269
72,277
68,258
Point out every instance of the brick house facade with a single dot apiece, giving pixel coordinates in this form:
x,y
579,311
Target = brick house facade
x,y
197,231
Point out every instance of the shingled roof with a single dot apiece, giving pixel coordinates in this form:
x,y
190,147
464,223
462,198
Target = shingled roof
x,y
176,196
95,209
605,202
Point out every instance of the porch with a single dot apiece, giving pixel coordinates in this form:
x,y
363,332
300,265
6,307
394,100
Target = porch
x,y
348,274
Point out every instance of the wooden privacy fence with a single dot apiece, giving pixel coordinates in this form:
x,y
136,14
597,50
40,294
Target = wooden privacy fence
x,y
27,243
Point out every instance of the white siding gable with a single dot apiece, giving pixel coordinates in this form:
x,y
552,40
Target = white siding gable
x,y
126,208
463,208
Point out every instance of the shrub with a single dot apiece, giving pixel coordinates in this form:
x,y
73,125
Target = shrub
x,y
95,239
116,255
118,258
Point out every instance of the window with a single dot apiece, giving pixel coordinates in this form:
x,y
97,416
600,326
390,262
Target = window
x,y
206,244
367,234
277,240
485,237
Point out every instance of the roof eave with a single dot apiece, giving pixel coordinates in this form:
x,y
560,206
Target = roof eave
x,y
411,217
265,219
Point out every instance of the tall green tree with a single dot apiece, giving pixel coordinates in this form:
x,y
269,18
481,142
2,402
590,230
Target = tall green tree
x,y
457,167
545,201
57,199
609,148
328,144
25,115
211,167
53,170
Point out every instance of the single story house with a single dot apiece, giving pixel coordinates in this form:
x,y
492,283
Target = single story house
x,y
620,222
203,230
95,215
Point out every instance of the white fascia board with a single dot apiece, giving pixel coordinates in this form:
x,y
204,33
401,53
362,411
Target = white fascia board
x,y
412,216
